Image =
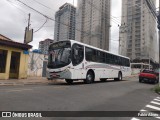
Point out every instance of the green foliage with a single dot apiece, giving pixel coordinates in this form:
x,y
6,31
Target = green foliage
x,y
157,89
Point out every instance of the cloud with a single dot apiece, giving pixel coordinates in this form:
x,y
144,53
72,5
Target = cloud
x,y
14,16
115,22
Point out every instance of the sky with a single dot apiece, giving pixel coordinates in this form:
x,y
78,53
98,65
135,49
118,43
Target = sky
x,y
14,19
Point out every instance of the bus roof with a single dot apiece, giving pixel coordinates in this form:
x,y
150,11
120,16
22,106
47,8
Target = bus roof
x,y
74,41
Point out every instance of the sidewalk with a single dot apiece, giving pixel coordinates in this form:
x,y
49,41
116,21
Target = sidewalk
x,y
28,81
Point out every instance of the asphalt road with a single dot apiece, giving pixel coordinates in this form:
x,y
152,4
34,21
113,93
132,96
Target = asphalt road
x,y
126,95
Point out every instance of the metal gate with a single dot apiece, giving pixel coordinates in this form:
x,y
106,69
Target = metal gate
x,y
44,69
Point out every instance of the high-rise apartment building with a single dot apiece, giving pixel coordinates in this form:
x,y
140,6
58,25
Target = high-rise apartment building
x,y
93,22
138,31
44,45
65,23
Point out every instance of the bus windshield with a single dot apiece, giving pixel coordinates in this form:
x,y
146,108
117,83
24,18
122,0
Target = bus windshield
x,y
59,55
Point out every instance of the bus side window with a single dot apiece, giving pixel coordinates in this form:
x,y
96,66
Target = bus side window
x,y
100,57
88,54
127,63
77,54
107,58
94,55
91,54
120,61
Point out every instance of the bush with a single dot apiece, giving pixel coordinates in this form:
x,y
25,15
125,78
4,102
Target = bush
x,y
157,89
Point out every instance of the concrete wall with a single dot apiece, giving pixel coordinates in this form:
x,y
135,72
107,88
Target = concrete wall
x,y
135,71
35,65
23,63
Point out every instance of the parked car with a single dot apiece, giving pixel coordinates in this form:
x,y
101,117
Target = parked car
x,y
150,76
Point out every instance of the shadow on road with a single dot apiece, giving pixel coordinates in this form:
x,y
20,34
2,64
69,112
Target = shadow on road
x,y
82,83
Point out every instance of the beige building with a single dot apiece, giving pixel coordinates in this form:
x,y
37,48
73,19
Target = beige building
x,y
65,26
138,31
13,59
93,23
44,45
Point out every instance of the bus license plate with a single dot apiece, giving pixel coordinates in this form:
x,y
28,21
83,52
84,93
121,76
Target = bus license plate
x,y
54,75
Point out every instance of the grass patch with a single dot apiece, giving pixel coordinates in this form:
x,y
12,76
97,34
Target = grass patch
x,y
157,89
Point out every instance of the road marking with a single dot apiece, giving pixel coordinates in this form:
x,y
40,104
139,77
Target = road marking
x,y
19,90
157,103
156,99
135,119
143,110
153,107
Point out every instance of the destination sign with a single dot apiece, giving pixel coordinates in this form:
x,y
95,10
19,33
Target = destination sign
x,y
58,45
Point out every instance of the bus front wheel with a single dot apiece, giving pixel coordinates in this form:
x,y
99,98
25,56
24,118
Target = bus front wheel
x,y
89,77
69,81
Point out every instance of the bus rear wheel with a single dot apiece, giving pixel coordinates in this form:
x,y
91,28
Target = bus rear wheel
x,y
69,81
119,77
89,77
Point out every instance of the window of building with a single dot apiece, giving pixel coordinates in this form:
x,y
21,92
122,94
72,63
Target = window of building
x,y
3,57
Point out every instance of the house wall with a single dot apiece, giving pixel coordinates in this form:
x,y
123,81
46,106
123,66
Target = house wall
x,y
22,66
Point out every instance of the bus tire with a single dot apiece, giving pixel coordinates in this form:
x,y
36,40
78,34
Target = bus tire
x,y
69,81
119,77
155,81
89,77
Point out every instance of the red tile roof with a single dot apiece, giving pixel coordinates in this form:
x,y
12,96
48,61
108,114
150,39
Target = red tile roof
x,y
4,41
2,37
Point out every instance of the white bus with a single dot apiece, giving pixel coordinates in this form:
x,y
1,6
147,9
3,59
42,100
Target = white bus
x,y
72,60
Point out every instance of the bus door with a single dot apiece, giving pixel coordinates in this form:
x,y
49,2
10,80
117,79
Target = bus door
x,y
77,60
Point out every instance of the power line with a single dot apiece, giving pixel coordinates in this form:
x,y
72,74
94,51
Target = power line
x,y
21,10
16,6
101,12
42,4
49,17
33,9
138,5
41,26
117,22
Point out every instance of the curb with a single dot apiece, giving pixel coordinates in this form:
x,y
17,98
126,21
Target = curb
x,y
22,84
131,76
158,93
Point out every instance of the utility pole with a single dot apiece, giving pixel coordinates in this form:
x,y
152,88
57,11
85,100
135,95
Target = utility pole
x,y
29,16
27,28
159,36
159,45
28,37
